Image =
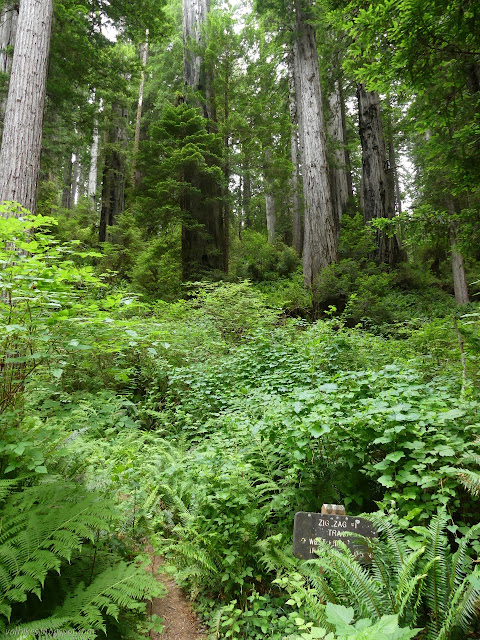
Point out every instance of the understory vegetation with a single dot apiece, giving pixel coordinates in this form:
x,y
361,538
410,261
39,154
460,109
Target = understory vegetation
x,y
198,427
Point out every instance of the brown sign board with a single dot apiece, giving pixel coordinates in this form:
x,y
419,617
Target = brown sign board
x,y
310,526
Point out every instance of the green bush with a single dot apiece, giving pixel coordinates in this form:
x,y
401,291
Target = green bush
x,y
156,271
254,258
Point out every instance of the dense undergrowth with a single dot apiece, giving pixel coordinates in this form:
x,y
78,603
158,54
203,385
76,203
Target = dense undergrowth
x,y
202,425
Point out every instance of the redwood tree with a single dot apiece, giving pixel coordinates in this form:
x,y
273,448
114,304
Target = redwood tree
x,y
203,233
22,133
378,185
320,230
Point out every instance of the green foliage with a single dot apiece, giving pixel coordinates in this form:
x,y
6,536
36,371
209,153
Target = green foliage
x,y
43,528
156,272
234,309
203,425
289,294
179,147
58,567
379,300
400,580
37,289
341,618
258,260
357,241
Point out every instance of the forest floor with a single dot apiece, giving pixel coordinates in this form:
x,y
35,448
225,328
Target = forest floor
x,y
180,621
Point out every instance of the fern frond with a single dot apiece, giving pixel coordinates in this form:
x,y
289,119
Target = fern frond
x,y
6,486
395,541
408,582
463,607
470,480
436,584
460,559
195,555
55,520
274,557
121,586
362,588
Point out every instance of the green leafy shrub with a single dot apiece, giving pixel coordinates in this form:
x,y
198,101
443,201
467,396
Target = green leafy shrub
x,y
341,619
357,240
58,569
255,259
289,294
432,586
156,271
236,309
44,528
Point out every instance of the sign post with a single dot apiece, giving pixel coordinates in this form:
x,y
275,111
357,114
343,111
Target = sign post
x,y
327,525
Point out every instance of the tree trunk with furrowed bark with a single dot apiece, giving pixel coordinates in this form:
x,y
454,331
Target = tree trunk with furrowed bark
x,y
22,133
320,233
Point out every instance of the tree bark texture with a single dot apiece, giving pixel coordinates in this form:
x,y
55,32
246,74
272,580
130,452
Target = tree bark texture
x,y
297,231
92,174
67,183
271,216
392,160
246,196
270,203
8,32
92,184
22,133
320,234
114,174
194,15
377,178
339,170
460,286
76,179
204,241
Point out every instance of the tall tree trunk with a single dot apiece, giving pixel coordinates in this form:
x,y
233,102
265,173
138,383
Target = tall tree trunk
x,y
320,236
92,174
346,151
136,142
194,15
460,286
22,133
377,177
271,216
246,195
204,241
94,152
392,161
67,183
339,170
270,204
114,174
294,156
75,179
8,32
226,166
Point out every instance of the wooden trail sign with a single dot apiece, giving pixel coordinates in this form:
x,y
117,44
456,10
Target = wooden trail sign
x,y
327,526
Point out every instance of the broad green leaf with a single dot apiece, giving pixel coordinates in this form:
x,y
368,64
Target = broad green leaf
x,y
338,614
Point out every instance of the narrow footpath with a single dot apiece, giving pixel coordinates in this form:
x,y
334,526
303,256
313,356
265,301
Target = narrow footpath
x,y
181,623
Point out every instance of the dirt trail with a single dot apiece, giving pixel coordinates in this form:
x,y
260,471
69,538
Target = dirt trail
x,y
181,623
